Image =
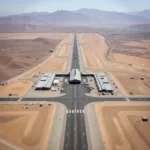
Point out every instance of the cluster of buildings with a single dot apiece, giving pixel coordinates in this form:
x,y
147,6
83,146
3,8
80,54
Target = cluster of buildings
x,y
102,83
101,80
45,82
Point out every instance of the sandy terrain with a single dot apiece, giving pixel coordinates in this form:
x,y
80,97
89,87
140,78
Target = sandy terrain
x,y
121,126
16,88
143,47
93,50
64,49
6,36
134,86
132,45
22,128
138,61
51,65
20,52
57,62
124,60
10,66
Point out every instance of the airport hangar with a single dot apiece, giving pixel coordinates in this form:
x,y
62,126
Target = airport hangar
x,y
75,76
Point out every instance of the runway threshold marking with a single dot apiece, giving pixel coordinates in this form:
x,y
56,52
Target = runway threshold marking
x,y
78,111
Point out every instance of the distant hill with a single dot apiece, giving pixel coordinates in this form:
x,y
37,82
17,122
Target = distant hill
x,y
144,13
58,17
82,17
140,26
112,17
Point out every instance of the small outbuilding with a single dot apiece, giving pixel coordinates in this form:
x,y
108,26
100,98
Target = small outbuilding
x,y
56,82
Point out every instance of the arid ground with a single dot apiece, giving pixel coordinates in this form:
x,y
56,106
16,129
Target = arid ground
x,y
25,125
15,88
19,52
124,60
58,61
121,125
30,57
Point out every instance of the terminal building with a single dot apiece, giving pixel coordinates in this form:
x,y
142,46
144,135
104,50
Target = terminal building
x,y
75,76
102,83
45,82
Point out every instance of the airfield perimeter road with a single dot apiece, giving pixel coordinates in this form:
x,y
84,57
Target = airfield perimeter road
x,y
75,101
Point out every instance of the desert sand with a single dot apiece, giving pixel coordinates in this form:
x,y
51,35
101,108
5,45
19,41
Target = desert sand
x,y
121,126
21,36
64,49
101,54
57,62
137,61
19,52
131,83
15,88
93,49
51,65
10,66
18,125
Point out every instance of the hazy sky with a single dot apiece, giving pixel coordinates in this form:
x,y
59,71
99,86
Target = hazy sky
x,y
19,6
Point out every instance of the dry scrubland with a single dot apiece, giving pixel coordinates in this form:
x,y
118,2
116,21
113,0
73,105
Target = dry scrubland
x,y
20,52
121,126
123,62
22,128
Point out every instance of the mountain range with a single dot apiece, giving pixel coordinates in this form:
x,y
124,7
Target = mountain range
x,y
82,17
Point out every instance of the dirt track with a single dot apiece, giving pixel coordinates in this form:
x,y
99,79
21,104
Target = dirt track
x,y
22,128
121,125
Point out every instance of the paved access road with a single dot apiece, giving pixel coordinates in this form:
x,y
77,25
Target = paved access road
x,y
75,101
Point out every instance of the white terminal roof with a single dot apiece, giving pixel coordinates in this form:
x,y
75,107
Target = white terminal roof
x,y
43,78
75,75
46,74
101,74
103,82
45,82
